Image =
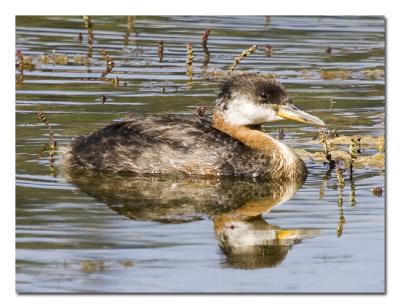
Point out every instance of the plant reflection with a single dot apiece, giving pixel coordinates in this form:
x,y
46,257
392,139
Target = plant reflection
x,y
234,205
341,185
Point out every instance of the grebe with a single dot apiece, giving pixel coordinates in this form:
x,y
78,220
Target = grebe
x,y
231,143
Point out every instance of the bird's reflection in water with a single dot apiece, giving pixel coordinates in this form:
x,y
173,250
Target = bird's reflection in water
x,y
253,243
234,205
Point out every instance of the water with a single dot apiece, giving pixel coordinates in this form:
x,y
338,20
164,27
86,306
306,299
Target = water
x,y
148,235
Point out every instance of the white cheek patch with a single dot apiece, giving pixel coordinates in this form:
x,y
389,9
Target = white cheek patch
x,y
241,110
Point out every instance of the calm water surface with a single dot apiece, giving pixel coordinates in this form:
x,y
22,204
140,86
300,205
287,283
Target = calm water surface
x,y
102,234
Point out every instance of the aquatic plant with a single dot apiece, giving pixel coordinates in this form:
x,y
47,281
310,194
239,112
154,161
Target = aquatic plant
x,y
200,111
189,63
126,39
42,117
377,191
327,149
336,74
324,183
60,59
268,51
108,59
129,116
354,150
90,266
89,28
160,51
281,133
190,57
126,263
51,145
130,23
23,63
365,141
328,50
341,185
81,60
206,60
115,82
374,74
130,27
204,38
20,66
109,63
243,55
340,177
54,58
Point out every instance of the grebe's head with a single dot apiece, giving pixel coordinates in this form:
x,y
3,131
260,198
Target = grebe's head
x,y
251,99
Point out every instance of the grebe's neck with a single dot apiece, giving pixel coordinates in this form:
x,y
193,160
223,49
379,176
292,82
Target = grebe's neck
x,y
283,161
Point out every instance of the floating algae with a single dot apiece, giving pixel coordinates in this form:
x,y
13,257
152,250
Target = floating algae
x,y
376,160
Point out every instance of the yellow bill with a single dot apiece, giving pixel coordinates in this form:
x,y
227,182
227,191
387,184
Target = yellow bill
x,y
292,112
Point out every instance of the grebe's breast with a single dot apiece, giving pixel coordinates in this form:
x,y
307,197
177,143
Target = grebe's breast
x,y
185,144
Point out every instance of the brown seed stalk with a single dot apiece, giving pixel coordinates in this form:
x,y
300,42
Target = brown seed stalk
x,y
160,51
89,28
200,111
377,191
20,66
268,51
115,82
204,38
354,149
206,59
322,139
109,62
190,57
341,184
324,182
329,50
189,63
243,55
52,143
131,20
281,133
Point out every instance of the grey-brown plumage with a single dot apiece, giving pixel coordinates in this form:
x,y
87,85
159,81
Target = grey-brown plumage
x,y
168,144
229,144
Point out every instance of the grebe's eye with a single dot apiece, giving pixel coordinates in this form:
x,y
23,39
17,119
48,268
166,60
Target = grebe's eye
x,y
264,95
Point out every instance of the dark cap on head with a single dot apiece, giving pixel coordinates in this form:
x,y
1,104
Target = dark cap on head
x,y
261,89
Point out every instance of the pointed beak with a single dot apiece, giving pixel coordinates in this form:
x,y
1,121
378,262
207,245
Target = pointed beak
x,y
292,112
